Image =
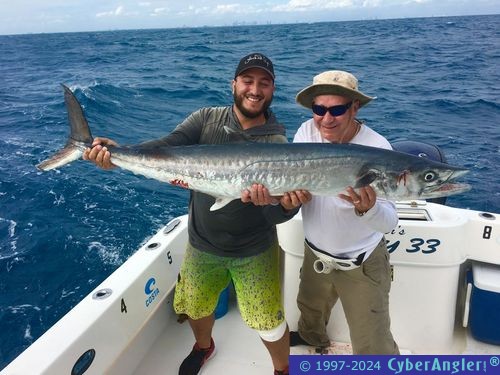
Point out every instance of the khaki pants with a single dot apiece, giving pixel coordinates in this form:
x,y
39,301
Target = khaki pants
x,y
364,293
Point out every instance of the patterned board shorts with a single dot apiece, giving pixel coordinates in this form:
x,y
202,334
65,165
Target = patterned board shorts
x,y
256,281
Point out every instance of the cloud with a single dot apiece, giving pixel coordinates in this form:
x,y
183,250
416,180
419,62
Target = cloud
x,y
227,8
319,5
164,8
312,5
197,11
236,8
371,3
117,12
160,11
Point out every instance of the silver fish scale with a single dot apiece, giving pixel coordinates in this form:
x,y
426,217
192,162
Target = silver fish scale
x,y
225,170
227,177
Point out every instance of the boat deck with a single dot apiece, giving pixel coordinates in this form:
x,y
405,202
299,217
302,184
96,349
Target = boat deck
x,y
239,348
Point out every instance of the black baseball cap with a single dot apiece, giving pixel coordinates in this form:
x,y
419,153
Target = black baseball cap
x,y
255,60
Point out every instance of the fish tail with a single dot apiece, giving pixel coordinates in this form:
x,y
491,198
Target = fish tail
x,y
79,138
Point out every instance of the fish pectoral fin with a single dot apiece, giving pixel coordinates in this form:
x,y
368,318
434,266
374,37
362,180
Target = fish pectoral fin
x,y
220,202
366,178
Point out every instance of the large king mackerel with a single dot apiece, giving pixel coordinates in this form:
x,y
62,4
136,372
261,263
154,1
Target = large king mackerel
x,y
223,171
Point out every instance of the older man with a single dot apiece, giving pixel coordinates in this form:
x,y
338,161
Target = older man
x,y
347,230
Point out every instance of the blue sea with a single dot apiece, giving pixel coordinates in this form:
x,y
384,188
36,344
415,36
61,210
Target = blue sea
x,y
63,232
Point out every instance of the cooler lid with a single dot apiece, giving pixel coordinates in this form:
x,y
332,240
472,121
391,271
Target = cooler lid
x,y
486,276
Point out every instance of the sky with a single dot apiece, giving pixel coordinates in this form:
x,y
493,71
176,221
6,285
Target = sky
x,y
46,16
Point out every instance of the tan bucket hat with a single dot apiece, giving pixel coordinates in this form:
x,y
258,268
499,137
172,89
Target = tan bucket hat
x,y
332,82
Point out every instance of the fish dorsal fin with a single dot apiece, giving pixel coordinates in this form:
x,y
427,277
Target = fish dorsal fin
x,y
236,136
220,202
367,178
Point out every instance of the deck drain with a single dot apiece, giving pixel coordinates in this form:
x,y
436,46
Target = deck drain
x,y
153,246
487,215
102,294
83,363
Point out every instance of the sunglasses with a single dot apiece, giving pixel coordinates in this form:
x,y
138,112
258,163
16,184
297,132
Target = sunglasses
x,y
336,110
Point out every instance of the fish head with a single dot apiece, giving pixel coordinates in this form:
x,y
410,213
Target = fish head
x,y
439,181
428,180
416,178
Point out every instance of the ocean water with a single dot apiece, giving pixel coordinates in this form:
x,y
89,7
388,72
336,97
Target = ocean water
x,y
63,232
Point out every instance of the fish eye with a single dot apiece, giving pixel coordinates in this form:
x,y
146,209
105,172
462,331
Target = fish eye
x,y
429,176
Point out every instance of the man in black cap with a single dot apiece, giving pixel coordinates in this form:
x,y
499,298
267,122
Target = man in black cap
x,y
238,242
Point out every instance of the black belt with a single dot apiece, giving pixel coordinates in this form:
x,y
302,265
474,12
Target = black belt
x,y
357,262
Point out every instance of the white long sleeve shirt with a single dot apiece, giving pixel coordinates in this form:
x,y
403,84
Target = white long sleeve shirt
x,y
330,223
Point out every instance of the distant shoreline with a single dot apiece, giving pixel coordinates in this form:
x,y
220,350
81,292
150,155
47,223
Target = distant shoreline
x,y
245,24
